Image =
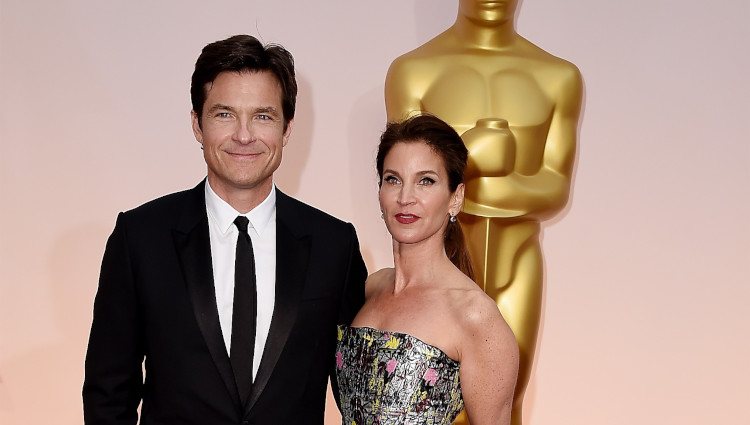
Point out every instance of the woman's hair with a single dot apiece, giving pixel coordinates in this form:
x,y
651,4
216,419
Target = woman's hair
x,y
445,142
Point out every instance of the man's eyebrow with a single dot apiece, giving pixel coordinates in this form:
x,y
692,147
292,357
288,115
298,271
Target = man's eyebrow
x,y
271,110
266,110
220,106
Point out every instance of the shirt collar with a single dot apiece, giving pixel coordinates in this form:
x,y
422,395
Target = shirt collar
x,y
224,214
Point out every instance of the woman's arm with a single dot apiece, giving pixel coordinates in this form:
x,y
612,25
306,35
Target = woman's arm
x,y
489,363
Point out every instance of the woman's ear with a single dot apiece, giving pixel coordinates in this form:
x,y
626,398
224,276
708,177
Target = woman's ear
x,y
457,200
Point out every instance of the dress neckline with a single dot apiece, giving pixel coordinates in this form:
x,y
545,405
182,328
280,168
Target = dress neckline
x,y
406,335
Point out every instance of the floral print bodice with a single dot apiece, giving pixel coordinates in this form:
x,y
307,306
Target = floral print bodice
x,y
390,378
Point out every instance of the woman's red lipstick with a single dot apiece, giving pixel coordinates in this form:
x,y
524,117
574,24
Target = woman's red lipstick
x,y
407,218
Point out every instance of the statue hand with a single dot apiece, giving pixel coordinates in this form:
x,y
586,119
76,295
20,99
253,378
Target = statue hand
x,y
492,149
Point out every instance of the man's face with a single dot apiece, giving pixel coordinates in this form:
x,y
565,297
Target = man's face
x,y
488,11
242,131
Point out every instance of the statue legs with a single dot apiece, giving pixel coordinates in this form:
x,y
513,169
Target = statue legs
x,y
507,261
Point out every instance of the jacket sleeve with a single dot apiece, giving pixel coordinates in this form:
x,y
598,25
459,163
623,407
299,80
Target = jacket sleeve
x,y
352,299
354,289
113,371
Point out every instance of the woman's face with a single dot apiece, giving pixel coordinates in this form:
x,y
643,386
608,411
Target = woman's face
x,y
414,194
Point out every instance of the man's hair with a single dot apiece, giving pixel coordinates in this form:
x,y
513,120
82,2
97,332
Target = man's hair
x,y
244,53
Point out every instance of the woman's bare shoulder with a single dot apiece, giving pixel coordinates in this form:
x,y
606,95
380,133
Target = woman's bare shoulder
x,y
467,295
489,357
377,281
481,321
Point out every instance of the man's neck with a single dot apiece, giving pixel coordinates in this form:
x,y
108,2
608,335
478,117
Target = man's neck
x,y
242,199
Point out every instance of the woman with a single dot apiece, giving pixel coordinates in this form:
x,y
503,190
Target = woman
x,y
428,341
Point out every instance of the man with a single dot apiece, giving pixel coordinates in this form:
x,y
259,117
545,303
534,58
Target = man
x,y
231,290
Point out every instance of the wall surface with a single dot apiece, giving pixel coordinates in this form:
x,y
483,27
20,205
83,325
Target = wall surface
x,y
646,269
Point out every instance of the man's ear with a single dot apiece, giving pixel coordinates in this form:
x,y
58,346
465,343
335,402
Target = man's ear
x,y
196,127
287,132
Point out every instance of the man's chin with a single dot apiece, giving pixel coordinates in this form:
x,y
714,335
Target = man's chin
x,y
254,183
235,183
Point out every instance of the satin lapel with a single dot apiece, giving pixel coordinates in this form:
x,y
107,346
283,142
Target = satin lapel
x,y
194,250
292,256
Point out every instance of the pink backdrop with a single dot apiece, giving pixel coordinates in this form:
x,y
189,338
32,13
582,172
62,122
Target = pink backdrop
x,y
646,268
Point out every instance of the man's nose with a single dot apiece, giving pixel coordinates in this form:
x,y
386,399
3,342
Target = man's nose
x,y
244,132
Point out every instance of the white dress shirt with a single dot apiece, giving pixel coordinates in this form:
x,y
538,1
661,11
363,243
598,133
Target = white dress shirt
x,y
223,234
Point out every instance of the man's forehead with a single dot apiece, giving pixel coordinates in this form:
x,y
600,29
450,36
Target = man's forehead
x,y
209,85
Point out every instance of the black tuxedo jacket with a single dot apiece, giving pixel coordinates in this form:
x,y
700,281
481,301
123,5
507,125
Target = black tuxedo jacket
x,y
156,301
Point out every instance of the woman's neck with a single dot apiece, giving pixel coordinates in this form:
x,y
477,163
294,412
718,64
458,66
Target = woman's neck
x,y
418,263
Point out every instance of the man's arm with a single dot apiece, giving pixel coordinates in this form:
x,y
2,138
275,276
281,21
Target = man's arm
x,y
352,298
354,291
114,380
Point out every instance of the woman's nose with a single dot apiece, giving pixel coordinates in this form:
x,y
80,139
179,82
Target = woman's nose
x,y
406,195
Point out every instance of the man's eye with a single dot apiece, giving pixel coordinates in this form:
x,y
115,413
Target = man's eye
x,y
223,115
264,117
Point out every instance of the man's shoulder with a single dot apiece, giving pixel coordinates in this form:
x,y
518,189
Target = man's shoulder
x,y
308,215
168,205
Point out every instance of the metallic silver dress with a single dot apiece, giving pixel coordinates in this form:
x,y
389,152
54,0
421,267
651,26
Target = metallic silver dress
x,y
390,378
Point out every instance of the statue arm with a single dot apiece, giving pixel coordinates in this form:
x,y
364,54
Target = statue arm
x,y
543,194
401,94
560,148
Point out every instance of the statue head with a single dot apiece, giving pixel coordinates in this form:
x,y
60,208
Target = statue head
x,y
488,12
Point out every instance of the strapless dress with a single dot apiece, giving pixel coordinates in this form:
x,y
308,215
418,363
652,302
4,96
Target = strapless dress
x,y
390,378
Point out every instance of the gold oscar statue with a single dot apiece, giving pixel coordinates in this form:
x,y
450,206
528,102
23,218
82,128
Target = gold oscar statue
x,y
517,109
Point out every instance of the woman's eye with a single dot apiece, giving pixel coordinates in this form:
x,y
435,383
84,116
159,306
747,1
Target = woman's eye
x,y
390,179
426,181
